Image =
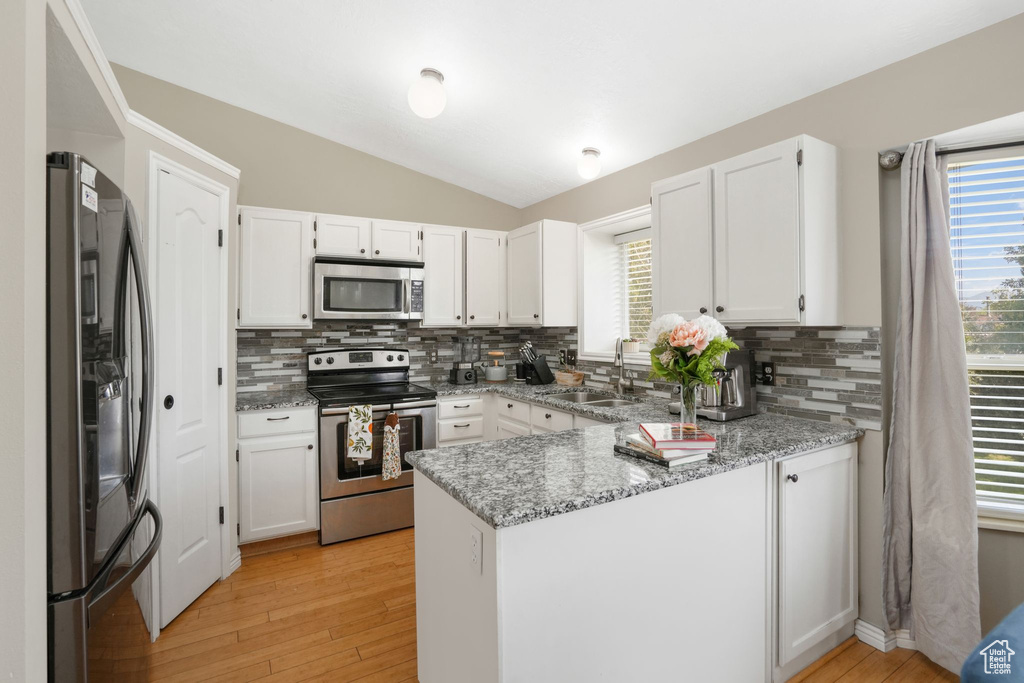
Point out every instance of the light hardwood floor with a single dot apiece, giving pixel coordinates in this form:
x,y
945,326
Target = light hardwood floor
x,y
347,612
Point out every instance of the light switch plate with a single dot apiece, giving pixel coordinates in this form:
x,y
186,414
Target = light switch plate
x,y
476,546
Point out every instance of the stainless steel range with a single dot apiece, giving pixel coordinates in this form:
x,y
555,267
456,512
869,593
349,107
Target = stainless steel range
x,y
354,500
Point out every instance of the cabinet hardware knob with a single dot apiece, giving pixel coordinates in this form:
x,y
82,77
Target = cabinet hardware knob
x,y
472,317
703,309
377,252
536,315
309,447
509,405
793,478
362,251
720,309
304,316
458,317
547,416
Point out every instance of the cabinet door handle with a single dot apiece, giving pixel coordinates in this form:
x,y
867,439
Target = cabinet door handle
x,y
460,426
472,317
309,447
304,316
547,416
793,478
377,252
703,310
275,419
720,309
509,405
536,315
458,317
362,251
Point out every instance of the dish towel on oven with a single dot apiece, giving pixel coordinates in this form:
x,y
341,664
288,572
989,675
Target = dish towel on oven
x,y
392,454
360,433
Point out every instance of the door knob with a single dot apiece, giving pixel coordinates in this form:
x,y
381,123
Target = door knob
x,y
720,309
703,310
168,401
793,478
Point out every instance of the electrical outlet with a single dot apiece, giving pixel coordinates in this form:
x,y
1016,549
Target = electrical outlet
x,y
476,546
768,374
562,353
570,356
432,355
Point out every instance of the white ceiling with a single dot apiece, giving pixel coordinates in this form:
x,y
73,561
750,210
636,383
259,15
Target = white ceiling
x,y
529,82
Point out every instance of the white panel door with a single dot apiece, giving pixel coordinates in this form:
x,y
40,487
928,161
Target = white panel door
x,y
396,240
682,253
757,236
485,277
345,236
525,268
442,276
189,326
275,257
817,547
277,486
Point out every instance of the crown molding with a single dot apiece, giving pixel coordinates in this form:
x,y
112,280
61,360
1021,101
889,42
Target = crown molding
x,y
171,138
92,42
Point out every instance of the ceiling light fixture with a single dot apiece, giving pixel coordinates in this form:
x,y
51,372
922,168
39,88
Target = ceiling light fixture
x,y
426,94
589,165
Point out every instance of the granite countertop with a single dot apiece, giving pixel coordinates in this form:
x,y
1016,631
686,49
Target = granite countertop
x,y
271,400
528,478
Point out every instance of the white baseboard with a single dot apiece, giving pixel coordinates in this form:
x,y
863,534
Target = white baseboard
x,y
885,641
236,562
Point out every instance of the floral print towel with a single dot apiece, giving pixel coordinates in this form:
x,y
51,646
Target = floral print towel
x,y
360,433
392,455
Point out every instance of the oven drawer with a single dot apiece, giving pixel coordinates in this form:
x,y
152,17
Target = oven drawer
x,y
512,409
372,513
457,407
461,429
275,422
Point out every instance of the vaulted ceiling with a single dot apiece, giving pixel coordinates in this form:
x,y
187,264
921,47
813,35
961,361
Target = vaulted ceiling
x,y
529,82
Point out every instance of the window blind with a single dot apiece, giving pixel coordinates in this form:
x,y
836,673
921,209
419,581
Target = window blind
x,y
986,211
638,306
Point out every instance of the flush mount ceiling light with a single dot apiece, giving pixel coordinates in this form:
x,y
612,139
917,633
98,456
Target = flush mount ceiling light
x,y
589,165
426,94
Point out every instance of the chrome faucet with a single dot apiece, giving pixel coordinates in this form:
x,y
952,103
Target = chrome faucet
x,y
621,386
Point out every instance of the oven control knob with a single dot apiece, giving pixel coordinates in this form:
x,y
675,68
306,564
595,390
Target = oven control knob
x,y
318,360
401,357
390,358
330,360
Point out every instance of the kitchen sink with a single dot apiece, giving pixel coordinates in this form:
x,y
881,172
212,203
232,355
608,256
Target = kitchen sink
x,y
580,397
609,403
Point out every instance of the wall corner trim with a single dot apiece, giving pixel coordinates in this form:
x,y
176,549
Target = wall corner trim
x,y
884,641
156,130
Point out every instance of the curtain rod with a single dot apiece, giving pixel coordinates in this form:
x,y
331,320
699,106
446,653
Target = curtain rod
x,y
893,158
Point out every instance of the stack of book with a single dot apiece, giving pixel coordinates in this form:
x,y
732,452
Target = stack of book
x,y
669,443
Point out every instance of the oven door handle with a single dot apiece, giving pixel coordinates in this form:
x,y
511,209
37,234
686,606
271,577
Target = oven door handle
x,y
415,404
344,411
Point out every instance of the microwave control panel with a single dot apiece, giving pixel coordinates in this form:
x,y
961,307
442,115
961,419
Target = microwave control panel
x,y
417,296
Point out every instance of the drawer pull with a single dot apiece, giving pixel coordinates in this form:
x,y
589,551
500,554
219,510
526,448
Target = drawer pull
x,y
547,416
793,478
275,419
460,426
461,407
509,406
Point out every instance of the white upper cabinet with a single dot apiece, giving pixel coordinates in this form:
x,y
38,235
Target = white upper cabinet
x,y
485,277
541,267
344,236
396,240
761,247
682,263
275,256
442,276
817,547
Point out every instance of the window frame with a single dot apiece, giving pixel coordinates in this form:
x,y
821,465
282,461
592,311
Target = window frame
x,y
992,513
623,222
621,240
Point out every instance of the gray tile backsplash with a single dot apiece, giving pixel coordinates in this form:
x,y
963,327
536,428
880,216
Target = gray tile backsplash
x,y
829,374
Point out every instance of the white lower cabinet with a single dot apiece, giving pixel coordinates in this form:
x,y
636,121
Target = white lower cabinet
x,y
817,548
580,422
278,492
460,420
544,419
508,429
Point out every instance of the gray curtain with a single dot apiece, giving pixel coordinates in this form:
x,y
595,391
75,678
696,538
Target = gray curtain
x,y
930,553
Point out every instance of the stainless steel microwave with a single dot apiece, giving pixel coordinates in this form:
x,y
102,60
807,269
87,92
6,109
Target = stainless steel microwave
x,y
359,289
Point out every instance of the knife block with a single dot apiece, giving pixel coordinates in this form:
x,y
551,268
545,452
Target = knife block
x,y
541,372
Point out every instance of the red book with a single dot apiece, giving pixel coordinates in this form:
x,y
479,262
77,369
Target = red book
x,y
668,436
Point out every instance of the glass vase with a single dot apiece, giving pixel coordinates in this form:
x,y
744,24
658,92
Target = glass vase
x,y
688,404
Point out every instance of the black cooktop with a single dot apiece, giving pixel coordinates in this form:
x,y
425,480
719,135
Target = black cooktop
x,y
371,393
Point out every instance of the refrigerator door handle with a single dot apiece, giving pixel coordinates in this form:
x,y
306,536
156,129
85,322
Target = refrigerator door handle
x,y
138,474
102,601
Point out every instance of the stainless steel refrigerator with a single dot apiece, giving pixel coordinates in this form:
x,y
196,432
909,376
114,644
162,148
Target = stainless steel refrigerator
x,y
102,529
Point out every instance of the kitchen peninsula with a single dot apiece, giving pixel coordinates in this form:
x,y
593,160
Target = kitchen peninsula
x,y
551,558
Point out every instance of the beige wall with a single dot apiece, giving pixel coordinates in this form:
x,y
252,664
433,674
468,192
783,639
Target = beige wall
x,y
286,168
1001,574
22,336
900,103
